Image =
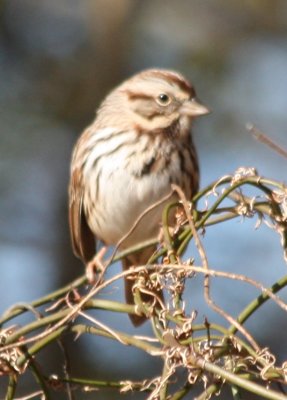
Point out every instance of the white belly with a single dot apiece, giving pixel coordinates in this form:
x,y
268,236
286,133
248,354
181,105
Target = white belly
x,y
122,199
120,196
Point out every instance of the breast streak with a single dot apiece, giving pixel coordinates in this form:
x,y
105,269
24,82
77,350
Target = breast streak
x,y
123,194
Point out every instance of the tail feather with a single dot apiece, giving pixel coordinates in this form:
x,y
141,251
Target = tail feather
x,y
135,260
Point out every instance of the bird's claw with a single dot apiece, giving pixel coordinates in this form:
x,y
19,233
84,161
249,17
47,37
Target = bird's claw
x,y
95,266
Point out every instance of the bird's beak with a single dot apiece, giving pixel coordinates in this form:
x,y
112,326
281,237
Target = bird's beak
x,y
193,108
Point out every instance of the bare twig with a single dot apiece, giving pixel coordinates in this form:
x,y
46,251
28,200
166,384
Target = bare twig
x,y
203,256
211,354
136,223
263,138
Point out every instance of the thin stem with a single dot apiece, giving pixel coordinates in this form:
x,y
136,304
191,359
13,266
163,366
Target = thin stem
x,y
11,387
12,313
39,377
258,302
127,339
238,381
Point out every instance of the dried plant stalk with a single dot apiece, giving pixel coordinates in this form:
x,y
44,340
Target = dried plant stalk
x,y
211,355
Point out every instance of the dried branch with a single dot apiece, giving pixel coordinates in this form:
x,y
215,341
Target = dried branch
x,y
211,355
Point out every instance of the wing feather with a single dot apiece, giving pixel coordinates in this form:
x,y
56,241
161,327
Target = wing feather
x,y
82,237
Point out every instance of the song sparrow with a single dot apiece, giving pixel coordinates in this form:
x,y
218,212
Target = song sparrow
x,y
126,160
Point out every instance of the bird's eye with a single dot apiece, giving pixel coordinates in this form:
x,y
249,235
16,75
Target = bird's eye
x,y
163,99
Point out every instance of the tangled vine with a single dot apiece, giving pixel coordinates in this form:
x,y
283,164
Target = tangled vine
x,y
211,355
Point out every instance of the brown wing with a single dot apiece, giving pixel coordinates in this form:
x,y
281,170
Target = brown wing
x,y
83,240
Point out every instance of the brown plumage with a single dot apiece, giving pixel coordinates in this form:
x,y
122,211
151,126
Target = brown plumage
x,y
137,146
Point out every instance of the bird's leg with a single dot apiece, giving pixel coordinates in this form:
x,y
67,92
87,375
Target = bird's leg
x,y
95,265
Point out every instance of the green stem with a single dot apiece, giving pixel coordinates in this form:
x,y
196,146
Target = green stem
x,y
91,304
101,384
43,300
241,382
164,378
11,387
40,345
258,302
39,378
126,339
207,393
180,393
253,181
236,392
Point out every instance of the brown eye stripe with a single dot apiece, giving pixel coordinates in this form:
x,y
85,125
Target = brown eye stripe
x,y
137,95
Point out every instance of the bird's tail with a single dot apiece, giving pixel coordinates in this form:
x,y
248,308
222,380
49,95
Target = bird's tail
x,y
137,259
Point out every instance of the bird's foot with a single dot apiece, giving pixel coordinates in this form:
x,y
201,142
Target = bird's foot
x,y
96,267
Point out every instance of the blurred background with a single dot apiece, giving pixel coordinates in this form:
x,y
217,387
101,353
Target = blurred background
x,y
58,59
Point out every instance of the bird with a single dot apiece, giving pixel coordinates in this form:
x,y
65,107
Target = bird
x,y
138,145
